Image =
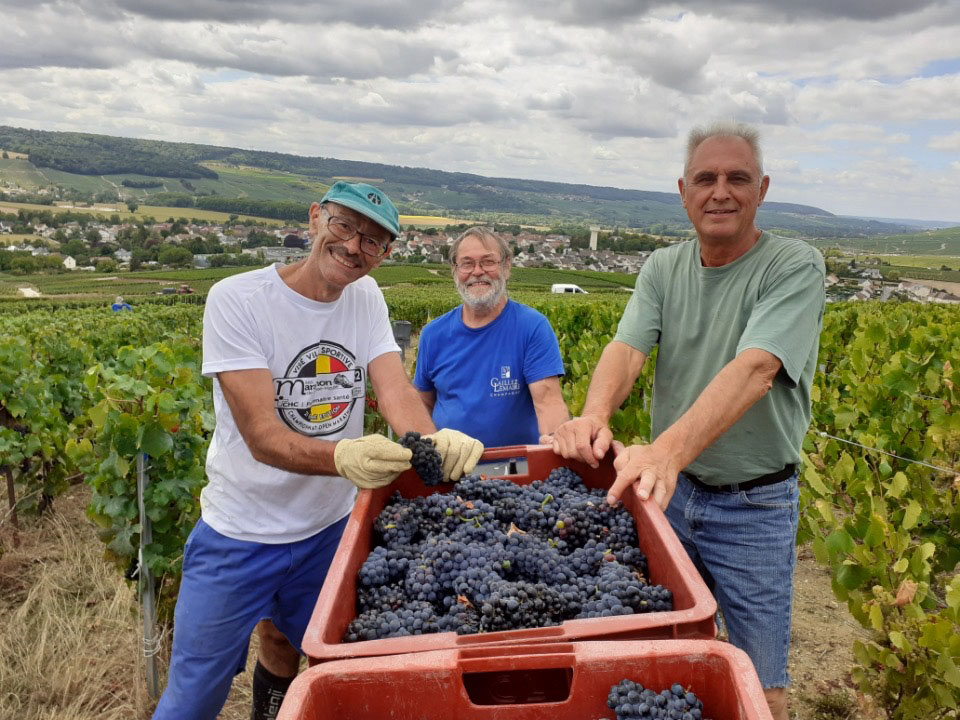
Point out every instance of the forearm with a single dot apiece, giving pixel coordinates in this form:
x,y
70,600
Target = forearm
x,y
551,417
250,398
548,404
403,409
733,391
617,370
398,401
272,443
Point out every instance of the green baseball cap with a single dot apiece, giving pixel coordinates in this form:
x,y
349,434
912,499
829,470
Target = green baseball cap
x,y
366,200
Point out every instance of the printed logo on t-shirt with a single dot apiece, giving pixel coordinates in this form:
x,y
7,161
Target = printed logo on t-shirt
x,y
504,385
318,390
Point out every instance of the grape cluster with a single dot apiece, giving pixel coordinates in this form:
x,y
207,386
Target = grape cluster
x,y
492,555
426,460
631,701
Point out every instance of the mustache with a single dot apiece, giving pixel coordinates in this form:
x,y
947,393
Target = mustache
x,y
482,279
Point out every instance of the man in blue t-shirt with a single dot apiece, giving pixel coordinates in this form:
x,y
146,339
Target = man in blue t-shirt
x,y
490,367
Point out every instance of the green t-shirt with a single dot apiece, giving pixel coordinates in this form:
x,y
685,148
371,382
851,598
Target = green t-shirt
x,y
770,298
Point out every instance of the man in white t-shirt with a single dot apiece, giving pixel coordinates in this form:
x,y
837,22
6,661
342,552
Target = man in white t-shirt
x,y
290,349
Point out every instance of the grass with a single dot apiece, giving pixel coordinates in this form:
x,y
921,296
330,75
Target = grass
x,y
69,627
835,706
65,638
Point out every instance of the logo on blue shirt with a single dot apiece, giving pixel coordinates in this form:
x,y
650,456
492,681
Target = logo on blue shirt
x,y
504,385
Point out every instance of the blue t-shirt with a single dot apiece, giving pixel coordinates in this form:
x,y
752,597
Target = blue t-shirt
x,y
481,375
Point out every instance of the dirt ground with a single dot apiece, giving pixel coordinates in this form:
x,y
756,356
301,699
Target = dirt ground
x,y
823,631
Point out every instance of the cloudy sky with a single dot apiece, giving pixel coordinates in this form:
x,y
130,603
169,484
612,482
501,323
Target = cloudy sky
x,y
858,101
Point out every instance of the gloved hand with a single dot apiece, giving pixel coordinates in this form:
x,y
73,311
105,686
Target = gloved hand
x,y
460,452
371,461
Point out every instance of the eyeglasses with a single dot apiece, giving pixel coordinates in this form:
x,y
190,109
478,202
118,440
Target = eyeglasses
x,y
342,230
468,266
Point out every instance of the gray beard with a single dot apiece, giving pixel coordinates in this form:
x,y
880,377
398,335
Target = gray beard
x,y
486,301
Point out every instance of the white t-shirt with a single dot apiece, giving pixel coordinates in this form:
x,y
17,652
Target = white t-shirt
x,y
318,355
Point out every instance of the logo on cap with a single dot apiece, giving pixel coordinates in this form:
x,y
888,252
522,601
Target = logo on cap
x,y
374,198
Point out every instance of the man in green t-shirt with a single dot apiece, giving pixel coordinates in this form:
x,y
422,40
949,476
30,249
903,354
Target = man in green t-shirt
x,y
736,314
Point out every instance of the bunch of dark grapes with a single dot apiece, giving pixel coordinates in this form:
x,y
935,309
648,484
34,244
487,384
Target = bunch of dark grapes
x,y
412,618
492,555
398,523
520,604
462,618
384,565
426,460
631,701
381,599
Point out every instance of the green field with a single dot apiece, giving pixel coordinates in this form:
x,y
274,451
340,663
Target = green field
x,y
929,243
927,262
144,211
144,285
259,184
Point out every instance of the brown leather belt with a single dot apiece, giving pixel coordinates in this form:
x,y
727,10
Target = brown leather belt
x,y
768,479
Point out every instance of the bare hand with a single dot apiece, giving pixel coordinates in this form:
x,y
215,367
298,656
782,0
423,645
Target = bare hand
x,y
651,471
584,438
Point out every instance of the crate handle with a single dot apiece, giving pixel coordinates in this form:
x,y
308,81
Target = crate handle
x,y
527,679
506,451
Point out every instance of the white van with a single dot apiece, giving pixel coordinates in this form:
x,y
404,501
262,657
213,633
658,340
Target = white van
x,y
566,288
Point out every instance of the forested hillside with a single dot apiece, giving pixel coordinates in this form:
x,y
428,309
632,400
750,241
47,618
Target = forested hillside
x,y
214,177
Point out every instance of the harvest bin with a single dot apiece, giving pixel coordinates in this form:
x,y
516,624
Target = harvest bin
x,y
669,565
563,681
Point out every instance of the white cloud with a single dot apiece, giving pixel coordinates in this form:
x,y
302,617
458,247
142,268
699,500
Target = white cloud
x,y
950,143
592,91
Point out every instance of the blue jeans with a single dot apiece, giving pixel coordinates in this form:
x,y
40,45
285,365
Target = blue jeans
x,y
228,586
744,545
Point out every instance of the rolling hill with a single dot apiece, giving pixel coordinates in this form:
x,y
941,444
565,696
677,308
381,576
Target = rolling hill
x,y
184,175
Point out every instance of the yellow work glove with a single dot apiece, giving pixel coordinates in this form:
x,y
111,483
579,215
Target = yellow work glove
x,y
460,452
371,461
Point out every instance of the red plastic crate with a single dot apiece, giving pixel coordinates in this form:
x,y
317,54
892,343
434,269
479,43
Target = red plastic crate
x,y
669,565
564,681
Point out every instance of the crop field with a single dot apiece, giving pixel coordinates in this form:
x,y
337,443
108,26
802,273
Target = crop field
x,y
21,173
146,283
936,243
156,212
347,178
429,220
879,502
927,262
260,184
920,274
